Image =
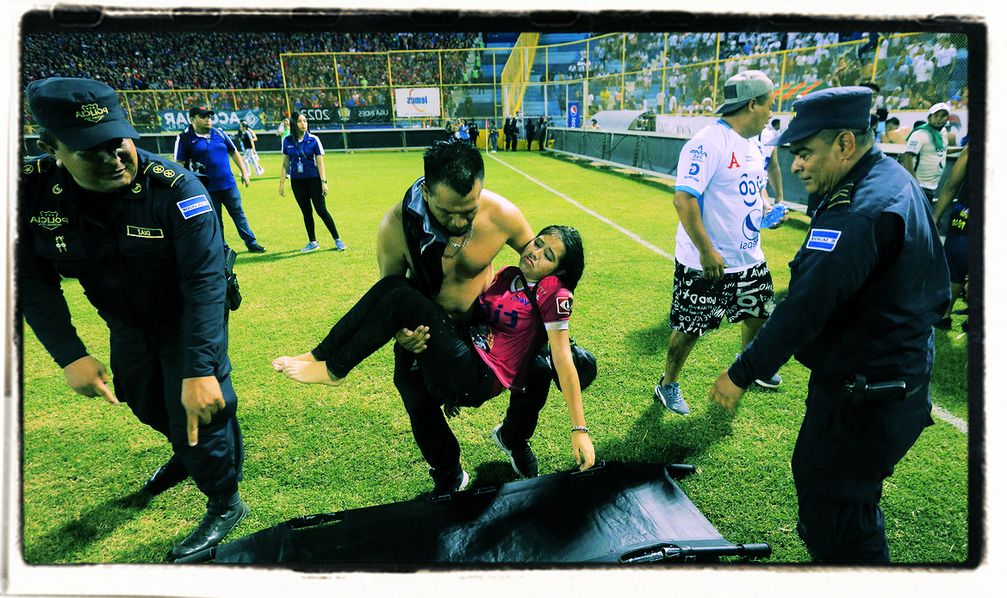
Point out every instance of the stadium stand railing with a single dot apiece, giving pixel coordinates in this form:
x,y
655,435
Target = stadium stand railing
x,y
661,73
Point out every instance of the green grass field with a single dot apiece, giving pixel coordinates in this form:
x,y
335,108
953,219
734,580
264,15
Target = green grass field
x,y
316,449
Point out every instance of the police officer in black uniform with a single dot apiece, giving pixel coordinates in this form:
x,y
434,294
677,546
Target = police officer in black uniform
x,y
510,133
140,234
866,287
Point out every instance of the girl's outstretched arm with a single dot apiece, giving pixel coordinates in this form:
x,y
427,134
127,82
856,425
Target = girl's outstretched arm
x,y
569,383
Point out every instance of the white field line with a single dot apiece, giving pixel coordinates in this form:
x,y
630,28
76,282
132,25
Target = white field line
x,y
584,208
956,422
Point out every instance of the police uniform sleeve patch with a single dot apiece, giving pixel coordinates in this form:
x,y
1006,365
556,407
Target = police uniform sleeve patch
x,y
194,206
823,239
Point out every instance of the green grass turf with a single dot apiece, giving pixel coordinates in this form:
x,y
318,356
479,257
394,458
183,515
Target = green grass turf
x,y
316,449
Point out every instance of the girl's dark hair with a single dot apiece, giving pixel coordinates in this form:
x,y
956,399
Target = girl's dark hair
x,y
572,263
294,116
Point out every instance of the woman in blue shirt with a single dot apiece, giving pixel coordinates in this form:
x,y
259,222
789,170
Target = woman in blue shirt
x,y
304,164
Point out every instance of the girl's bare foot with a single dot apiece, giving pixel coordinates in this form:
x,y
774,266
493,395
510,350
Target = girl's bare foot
x,y
310,372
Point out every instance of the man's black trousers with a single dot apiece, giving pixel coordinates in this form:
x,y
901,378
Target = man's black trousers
x,y
147,375
842,455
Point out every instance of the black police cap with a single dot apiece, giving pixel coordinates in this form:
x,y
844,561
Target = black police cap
x,y
82,113
835,108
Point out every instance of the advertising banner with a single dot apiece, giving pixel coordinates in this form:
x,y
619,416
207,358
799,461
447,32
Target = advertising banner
x,y
684,127
573,115
177,120
326,117
365,114
417,102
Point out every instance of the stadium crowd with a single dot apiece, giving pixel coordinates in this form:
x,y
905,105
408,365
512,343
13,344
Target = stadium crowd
x,y
206,61
913,71
668,75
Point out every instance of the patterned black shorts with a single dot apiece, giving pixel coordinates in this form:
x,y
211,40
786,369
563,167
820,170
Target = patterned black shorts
x,y
699,304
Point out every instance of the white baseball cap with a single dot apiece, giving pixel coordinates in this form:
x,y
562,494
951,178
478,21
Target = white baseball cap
x,y
938,107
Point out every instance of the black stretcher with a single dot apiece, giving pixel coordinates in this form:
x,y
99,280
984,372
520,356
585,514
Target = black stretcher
x,y
612,513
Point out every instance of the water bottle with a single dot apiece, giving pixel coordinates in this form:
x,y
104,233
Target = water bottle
x,y
774,216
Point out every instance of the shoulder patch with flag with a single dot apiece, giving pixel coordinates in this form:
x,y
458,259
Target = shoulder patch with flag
x,y
194,206
823,239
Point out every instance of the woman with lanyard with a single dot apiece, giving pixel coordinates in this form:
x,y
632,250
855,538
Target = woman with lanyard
x,y
304,163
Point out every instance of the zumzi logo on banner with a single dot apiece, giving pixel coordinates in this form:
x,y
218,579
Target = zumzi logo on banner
x,y
417,101
174,120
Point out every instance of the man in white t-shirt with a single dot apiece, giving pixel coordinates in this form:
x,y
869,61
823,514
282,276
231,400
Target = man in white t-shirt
x,y
926,150
719,266
944,60
923,68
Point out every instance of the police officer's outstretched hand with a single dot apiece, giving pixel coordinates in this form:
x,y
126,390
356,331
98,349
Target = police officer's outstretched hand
x,y
725,393
201,397
87,376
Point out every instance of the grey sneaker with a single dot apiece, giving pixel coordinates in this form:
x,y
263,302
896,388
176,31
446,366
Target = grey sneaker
x,y
670,395
522,459
774,381
310,247
340,246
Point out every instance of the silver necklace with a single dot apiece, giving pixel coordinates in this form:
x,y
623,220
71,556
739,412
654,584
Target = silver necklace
x,y
465,241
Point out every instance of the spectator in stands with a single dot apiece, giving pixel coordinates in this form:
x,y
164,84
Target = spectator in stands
x,y
926,150
205,149
923,69
718,247
893,132
304,164
594,124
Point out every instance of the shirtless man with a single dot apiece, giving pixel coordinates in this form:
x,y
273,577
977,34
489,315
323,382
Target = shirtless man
x,y
445,234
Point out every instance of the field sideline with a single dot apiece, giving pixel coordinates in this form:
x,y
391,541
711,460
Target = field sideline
x,y
313,449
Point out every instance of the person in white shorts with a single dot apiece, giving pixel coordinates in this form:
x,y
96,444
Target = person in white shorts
x,y
719,266
926,150
250,156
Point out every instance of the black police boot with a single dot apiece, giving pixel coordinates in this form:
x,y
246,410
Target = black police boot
x,y
166,476
222,514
